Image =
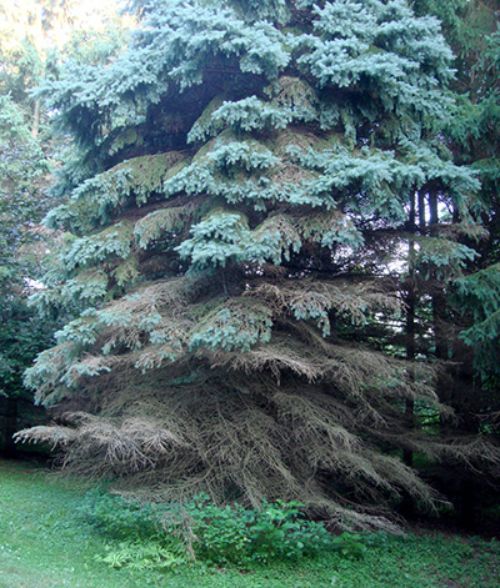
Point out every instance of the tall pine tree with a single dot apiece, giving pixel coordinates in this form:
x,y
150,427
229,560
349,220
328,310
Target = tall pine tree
x,y
242,222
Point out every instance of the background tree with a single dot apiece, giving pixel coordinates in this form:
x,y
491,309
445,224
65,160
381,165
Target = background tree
x,y
468,315
34,38
245,227
472,132
23,170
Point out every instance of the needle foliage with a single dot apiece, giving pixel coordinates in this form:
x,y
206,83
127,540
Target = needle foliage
x,y
238,225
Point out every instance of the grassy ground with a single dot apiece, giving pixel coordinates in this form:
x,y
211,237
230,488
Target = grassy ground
x,y
43,545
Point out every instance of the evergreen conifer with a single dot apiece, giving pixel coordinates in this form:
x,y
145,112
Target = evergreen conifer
x,y
242,238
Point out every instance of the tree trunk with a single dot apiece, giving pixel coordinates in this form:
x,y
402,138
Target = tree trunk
x,y
10,427
438,306
35,127
410,323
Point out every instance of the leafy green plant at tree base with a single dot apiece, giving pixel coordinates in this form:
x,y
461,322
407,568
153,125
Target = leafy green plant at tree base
x,y
238,535
142,555
137,537
164,536
351,546
120,519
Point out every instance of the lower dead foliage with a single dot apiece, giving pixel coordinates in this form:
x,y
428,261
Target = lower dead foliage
x,y
299,416
237,437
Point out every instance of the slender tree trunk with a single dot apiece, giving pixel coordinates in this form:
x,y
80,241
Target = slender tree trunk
x,y
37,36
10,427
35,127
421,212
410,323
438,306
465,391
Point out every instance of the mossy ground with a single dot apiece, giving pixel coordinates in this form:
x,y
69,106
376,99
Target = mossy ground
x,y
43,544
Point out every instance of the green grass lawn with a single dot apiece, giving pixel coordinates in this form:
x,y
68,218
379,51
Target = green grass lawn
x,y
44,545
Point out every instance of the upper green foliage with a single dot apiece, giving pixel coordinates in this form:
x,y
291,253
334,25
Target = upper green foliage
x,y
344,46
96,199
257,187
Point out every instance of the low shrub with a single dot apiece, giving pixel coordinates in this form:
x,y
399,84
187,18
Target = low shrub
x,y
350,546
233,534
163,536
118,518
138,538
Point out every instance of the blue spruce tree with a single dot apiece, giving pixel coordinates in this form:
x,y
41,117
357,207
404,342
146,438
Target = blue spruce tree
x,y
241,228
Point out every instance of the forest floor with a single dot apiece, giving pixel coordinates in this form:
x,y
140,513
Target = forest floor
x,y
44,544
